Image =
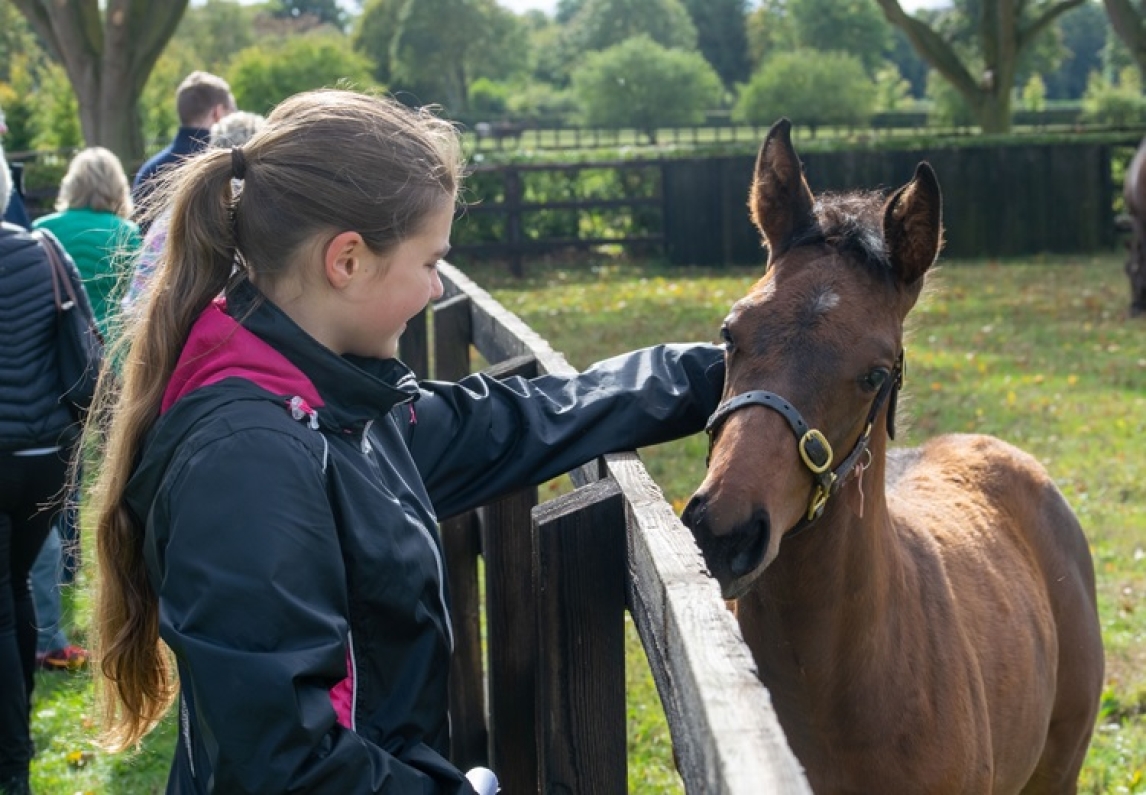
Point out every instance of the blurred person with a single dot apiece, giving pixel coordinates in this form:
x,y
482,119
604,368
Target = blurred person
x,y
93,223
200,100
37,439
234,129
16,213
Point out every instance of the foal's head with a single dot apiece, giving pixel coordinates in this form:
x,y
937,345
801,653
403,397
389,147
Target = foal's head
x,y
813,356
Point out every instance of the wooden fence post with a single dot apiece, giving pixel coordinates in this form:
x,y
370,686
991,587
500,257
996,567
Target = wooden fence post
x,y
415,345
580,569
469,735
513,196
511,622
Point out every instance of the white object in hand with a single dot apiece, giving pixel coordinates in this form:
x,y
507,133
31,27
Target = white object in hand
x,y
483,780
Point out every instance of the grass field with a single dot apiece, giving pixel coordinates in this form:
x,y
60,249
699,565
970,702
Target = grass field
x,y
1038,352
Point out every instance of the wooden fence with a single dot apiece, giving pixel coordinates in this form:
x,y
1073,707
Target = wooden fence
x,y
999,201
558,578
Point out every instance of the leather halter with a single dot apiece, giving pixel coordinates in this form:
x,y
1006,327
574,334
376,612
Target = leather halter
x,y
815,450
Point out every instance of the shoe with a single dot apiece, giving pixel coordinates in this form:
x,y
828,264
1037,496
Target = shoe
x,y
69,658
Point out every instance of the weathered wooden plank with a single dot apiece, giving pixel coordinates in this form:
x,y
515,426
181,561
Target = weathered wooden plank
x,y
725,733
579,540
452,335
469,735
414,347
511,623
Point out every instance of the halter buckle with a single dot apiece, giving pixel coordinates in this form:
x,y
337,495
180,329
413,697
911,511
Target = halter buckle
x,y
813,436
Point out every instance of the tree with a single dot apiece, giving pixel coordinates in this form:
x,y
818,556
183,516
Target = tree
x,y
17,39
215,31
374,32
1129,22
770,27
1084,35
263,76
852,26
722,36
638,83
441,46
600,24
108,50
325,11
811,88
985,75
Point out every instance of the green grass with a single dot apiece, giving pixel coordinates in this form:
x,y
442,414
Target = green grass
x,y
1038,352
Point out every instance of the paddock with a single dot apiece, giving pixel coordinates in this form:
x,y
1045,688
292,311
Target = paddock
x,y
542,701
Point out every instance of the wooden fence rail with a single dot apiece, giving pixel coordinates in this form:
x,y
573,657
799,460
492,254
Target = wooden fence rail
x,y
558,578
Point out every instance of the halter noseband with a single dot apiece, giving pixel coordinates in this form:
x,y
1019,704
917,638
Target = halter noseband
x,y
815,450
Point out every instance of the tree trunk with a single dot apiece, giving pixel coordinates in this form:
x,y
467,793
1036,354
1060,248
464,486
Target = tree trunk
x,y
108,57
1130,26
1003,36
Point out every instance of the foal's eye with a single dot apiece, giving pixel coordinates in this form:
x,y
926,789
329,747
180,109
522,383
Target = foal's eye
x,y
726,336
875,378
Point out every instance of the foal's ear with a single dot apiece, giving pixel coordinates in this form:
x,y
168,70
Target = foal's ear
x,y
780,199
913,225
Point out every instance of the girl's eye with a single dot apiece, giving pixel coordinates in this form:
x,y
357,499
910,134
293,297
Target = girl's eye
x,y
726,336
875,379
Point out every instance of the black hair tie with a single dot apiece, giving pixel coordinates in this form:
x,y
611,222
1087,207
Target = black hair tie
x,y
238,163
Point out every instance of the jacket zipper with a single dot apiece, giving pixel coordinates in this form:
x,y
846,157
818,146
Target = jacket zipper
x,y
353,683
367,448
185,725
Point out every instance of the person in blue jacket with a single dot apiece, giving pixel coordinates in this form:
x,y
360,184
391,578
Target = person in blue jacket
x,y
14,212
268,496
200,100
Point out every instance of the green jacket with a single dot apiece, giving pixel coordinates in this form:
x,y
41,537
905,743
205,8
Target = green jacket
x,y
103,246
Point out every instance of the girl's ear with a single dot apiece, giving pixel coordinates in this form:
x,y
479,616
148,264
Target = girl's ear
x,y
341,259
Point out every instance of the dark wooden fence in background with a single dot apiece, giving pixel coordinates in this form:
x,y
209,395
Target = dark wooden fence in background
x,y
999,201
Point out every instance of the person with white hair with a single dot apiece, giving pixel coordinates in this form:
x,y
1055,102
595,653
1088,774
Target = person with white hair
x,y
93,221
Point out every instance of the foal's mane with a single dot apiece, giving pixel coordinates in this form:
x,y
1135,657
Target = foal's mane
x,y
851,224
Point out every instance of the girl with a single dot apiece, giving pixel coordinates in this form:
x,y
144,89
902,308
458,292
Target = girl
x,y
270,488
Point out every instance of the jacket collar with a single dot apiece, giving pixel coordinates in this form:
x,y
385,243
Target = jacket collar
x,y
249,337
353,389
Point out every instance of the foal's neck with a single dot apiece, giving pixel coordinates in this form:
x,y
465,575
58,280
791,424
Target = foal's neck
x,y
831,585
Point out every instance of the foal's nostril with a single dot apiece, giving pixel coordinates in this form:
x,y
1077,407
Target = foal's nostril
x,y
694,512
749,544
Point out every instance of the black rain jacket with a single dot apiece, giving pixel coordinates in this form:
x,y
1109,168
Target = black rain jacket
x,y
289,498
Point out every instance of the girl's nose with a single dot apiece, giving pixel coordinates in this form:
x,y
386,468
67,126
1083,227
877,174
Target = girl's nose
x,y
436,288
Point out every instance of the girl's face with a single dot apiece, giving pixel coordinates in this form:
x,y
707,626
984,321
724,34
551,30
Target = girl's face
x,y
393,288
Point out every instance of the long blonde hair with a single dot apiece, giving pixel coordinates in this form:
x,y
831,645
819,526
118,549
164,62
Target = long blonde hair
x,y
326,161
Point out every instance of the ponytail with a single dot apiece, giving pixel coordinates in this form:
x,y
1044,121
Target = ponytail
x,y
194,268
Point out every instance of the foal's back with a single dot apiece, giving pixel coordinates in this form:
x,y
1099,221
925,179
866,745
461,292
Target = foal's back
x,y
1010,547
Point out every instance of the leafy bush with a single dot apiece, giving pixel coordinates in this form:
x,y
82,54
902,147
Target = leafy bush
x,y
811,88
59,118
638,83
1118,104
488,97
261,77
948,108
